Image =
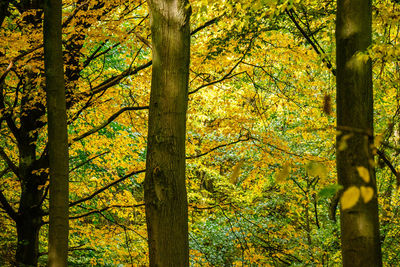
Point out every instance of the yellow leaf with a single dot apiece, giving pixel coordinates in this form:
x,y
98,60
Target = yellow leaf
x,y
364,173
282,174
367,193
236,172
343,142
316,169
378,140
350,197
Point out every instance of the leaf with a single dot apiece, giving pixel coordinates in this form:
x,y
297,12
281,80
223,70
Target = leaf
x,y
367,193
236,172
282,175
269,2
316,169
378,140
343,142
40,187
364,173
329,191
350,197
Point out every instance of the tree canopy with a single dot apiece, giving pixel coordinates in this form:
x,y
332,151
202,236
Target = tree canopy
x,y
261,173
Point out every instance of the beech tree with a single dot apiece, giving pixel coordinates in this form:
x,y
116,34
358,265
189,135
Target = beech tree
x,y
164,185
359,208
260,170
57,134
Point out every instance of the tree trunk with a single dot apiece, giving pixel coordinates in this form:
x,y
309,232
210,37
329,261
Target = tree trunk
x,y
165,191
359,223
29,220
57,134
28,240
29,216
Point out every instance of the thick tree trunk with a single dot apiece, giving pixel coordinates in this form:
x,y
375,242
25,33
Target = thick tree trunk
x,y
165,191
28,240
29,220
29,216
57,132
360,223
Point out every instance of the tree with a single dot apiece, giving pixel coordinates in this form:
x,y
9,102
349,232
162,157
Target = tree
x,y
259,132
164,188
57,134
359,215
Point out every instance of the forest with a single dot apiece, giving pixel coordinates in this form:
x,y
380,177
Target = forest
x,y
199,133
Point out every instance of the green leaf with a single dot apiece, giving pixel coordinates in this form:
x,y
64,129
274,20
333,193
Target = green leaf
x,y
329,191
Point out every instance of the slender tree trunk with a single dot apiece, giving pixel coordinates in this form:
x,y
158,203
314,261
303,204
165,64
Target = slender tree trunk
x,y
360,223
165,191
57,134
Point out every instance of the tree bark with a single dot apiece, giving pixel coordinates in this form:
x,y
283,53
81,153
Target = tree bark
x,y
360,223
165,191
29,220
29,216
57,134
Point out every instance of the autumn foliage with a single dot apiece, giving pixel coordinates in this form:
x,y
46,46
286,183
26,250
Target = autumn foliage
x,y
260,131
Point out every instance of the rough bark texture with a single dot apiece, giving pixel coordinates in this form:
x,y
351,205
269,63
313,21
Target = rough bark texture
x,y
165,191
359,224
57,134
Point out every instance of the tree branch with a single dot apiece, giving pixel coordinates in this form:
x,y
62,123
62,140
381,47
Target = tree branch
x,y
128,72
228,75
116,79
291,13
389,164
108,121
104,209
71,204
89,160
217,147
4,172
7,115
206,24
7,207
9,162
80,247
